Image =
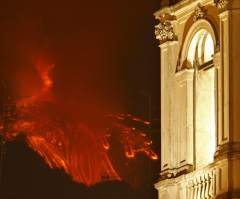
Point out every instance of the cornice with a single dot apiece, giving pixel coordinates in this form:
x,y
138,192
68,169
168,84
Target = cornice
x,y
227,151
182,8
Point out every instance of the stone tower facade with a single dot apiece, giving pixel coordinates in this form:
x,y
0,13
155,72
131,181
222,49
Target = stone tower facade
x,y
200,99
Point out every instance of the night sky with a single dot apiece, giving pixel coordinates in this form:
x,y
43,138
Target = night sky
x,y
106,61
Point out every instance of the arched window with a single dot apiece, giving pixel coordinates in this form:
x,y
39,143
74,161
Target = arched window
x,y
201,49
199,57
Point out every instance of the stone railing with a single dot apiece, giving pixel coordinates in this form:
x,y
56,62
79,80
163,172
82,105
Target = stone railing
x,y
201,185
204,183
208,182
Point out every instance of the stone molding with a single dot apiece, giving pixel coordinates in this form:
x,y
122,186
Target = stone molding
x,y
205,182
164,30
172,173
227,151
182,8
199,13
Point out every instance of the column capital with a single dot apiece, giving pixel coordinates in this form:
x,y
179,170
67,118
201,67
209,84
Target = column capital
x,y
223,5
164,30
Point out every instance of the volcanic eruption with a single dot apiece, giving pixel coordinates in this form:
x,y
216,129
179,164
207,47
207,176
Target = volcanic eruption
x,y
78,67
65,141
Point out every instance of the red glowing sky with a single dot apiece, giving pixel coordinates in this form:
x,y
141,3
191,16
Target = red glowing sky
x,y
105,53
100,50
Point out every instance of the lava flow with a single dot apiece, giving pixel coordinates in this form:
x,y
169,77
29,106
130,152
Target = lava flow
x,y
68,143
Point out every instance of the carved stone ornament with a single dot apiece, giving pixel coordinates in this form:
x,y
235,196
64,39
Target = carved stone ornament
x,y
164,30
179,68
199,13
223,4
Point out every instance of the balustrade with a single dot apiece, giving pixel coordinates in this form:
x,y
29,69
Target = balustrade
x,y
201,185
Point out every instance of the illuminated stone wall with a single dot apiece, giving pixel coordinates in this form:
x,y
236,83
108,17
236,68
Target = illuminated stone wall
x,y
199,43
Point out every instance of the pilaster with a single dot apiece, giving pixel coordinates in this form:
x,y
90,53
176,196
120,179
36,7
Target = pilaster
x,y
185,124
164,32
228,136
228,73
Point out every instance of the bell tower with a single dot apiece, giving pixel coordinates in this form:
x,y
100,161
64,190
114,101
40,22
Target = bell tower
x,y
199,44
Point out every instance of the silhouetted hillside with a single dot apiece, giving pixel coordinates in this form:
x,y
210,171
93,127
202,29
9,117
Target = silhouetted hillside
x,y
27,176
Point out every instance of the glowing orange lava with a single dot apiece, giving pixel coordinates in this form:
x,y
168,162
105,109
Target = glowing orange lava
x,y
72,145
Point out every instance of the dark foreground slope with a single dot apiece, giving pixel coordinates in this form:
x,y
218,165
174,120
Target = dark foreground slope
x,y
26,176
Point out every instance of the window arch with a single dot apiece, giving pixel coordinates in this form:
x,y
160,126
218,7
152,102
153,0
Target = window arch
x,y
201,49
197,51
200,26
